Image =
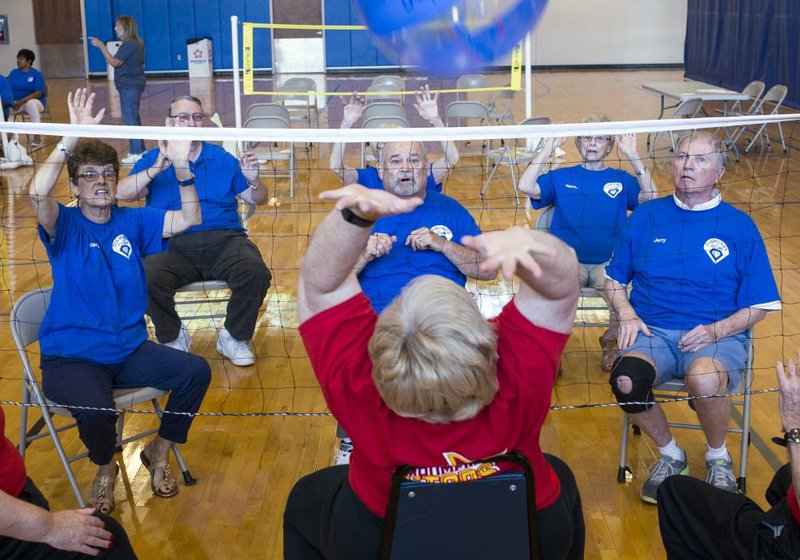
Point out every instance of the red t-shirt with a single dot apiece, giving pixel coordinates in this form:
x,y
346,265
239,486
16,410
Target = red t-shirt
x,y
336,341
12,469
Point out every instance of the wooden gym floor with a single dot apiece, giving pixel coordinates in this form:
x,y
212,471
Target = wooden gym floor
x,y
247,465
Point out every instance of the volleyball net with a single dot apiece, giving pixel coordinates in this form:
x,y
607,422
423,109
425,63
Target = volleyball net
x,y
763,184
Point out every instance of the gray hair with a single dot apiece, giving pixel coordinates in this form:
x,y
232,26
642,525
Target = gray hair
x,y
718,147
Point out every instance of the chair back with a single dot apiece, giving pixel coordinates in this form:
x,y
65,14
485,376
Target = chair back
x,y
299,95
267,122
397,83
775,95
27,316
384,109
535,121
385,122
754,89
491,517
384,92
466,110
268,110
472,81
688,108
304,84
501,104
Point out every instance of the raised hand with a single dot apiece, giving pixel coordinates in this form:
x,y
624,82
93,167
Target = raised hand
x,y
423,239
80,106
353,110
626,143
78,531
176,151
509,249
96,42
789,394
248,163
427,106
370,204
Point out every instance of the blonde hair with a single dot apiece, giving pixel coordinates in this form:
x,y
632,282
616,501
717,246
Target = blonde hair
x,y
434,356
128,25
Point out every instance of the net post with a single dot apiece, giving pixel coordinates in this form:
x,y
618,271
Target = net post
x,y
237,87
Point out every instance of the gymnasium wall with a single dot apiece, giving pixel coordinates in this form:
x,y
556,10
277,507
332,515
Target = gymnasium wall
x,y
21,33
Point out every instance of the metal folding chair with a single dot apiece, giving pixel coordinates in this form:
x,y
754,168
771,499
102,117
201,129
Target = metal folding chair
x,y
470,81
513,156
379,122
273,153
26,317
672,388
500,107
689,109
469,110
491,517
268,110
397,83
302,99
384,92
774,97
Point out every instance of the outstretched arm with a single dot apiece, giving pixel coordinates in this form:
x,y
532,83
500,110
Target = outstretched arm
x,y
528,182
352,113
647,186
178,221
546,266
326,273
428,109
73,530
110,58
789,408
45,207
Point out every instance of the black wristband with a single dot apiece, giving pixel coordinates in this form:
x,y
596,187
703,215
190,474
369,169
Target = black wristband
x,y
187,183
351,218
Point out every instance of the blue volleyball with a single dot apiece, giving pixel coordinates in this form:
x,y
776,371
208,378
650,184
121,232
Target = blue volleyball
x,y
448,37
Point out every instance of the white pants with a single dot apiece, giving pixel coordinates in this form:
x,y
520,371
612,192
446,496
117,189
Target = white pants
x,y
34,109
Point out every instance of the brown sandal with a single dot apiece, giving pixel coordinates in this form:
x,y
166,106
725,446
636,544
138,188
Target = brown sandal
x,y
102,497
609,347
166,478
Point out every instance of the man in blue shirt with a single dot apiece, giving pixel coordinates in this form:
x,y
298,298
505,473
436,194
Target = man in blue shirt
x,y
217,249
701,278
590,203
28,88
428,109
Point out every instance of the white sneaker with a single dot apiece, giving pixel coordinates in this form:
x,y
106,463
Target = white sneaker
x,y
183,342
237,351
342,456
130,159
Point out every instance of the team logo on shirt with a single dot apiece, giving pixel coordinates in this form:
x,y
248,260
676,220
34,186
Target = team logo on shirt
x,y
30,79
122,246
612,189
459,469
443,231
568,186
716,250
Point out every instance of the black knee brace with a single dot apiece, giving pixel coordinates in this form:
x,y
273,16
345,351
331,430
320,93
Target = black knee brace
x,y
642,375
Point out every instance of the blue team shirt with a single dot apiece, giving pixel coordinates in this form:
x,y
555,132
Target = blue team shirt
x,y
99,290
368,177
384,278
590,208
25,83
130,74
218,181
692,268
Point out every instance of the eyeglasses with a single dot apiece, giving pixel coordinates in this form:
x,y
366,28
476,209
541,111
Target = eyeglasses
x,y
597,139
92,176
184,117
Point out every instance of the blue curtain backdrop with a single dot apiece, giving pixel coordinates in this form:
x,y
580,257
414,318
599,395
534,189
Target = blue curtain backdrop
x,y
732,42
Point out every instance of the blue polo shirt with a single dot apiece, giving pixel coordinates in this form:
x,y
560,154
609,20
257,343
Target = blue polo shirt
x,y
590,208
218,181
99,298
368,177
130,74
692,267
385,277
25,83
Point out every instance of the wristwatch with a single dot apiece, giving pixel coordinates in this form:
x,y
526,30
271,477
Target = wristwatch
x,y
792,436
187,183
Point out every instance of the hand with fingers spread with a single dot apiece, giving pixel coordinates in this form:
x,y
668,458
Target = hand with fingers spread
x,y
427,106
378,245
353,110
629,328
80,106
370,204
697,338
789,393
423,239
78,531
626,143
510,250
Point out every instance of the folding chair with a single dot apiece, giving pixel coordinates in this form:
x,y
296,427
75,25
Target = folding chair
x,y
268,110
26,317
384,92
500,106
669,390
774,96
383,109
303,96
470,81
395,82
379,122
492,517
754,89
275,154
689,108
513,156
469,110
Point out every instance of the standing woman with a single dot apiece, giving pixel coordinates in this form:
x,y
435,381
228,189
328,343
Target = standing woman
x,y
128,65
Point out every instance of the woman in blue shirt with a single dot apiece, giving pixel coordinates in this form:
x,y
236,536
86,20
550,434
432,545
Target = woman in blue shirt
x,y
93,337
128,63
28,89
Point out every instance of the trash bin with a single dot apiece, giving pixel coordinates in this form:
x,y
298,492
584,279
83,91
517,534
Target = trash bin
x,y
199,57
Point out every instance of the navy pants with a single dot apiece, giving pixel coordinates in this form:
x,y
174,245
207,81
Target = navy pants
x,y
216,254
74,382
129,107
325,520
14,549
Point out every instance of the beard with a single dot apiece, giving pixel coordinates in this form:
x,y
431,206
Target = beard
x,y
405,189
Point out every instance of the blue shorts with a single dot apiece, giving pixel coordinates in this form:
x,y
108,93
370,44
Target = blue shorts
x,y
672,363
